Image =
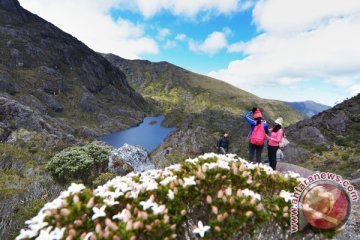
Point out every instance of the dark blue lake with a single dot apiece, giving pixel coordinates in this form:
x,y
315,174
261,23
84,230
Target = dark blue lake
x,y
149,134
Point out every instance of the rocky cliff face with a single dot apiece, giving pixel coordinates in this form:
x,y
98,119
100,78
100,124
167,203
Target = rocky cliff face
x,y
328,141
55,75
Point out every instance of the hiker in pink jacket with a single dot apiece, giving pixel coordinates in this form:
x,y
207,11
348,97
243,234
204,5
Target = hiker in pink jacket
x,y
276,134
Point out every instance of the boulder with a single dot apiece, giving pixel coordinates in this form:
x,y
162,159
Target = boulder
x,y
89,103
89,133
356,174
49,101
135,156
285,167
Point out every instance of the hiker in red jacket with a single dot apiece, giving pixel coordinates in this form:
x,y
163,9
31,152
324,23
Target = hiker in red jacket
x,y
258,130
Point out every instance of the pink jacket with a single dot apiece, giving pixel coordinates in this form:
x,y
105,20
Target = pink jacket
x,y
275,137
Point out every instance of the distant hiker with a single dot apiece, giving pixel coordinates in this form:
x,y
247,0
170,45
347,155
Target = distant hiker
x,y
276,134
223,144
257,133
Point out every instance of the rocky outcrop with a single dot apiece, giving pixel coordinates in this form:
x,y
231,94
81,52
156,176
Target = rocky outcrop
x,y
326,140
134,156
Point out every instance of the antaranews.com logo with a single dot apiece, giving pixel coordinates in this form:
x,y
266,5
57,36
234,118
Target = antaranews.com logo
x,y
322,200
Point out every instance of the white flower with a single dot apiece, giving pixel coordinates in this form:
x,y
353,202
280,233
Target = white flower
x,y
168,180
75,188
26,234
150,185
56,204
158,209
211,165
251,166
134,193
293,174
223,165
201,229
250,193
170,194
110,201
98,212
148,204
125,215
57,233
286,195
193,161
257,196
189,181
44,234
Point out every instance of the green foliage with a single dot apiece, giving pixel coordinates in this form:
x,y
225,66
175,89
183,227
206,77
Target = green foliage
x,y
79,163
103,178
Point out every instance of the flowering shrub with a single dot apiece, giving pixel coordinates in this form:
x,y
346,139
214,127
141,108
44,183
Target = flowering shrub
x,y
210,197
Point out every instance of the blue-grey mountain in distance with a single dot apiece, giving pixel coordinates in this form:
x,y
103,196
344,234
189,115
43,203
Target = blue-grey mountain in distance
x,y
309,108
149,134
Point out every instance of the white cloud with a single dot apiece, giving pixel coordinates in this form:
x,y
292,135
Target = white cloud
x,y
163,33
89,21
211,45
170,44
186,8
181,37
302,40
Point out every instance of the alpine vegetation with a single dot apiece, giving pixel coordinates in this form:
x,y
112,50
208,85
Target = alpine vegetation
x,y
209,197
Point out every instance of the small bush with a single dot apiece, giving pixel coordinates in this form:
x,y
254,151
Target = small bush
x,y
79,163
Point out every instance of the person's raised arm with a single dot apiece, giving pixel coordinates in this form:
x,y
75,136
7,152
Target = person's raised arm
x,y
248,119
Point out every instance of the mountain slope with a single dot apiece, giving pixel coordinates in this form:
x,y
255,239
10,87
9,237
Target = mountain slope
x,y
54,91
59,77
328,141
200,107
309,108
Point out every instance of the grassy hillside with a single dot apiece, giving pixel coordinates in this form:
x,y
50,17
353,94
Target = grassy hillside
x,y
176,88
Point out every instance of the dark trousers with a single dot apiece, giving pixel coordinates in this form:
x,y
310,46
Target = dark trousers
x,y
222,150
255,149
272,156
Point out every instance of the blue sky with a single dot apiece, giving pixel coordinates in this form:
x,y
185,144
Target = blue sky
x,y
291,50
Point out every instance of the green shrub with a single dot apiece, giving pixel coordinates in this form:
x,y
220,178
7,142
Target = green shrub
x,y
103,178
79,163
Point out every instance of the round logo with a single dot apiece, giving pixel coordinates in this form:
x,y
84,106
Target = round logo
x,y
325,205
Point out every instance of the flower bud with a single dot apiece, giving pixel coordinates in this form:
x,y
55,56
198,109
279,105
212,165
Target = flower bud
x,y
91,202
228,191
220,194
217,229
65,212
249,214
214,209
183,212
208,199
